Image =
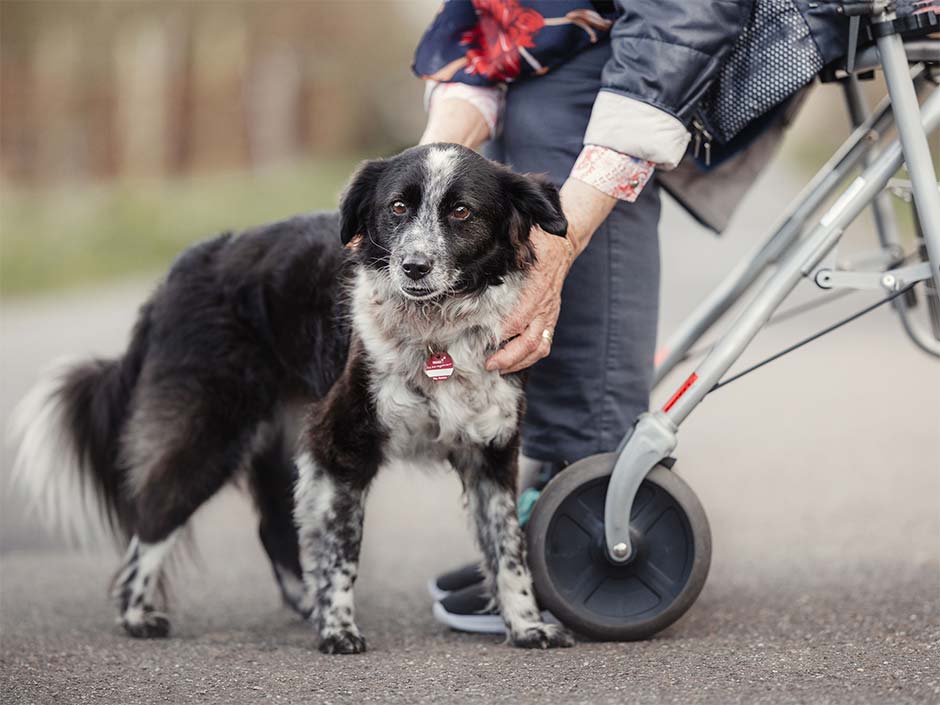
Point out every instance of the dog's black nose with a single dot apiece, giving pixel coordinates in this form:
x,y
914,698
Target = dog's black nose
x,y
416,266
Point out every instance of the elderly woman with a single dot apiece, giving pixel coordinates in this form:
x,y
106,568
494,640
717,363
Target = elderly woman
x,y
607,99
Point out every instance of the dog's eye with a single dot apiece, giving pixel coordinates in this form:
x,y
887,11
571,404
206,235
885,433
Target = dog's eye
x,y
399,208
461,212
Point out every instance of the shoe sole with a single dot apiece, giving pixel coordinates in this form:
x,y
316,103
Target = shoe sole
x,y
435,592
473,623
478,623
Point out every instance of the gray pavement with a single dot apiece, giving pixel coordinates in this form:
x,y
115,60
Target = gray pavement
x,y
820,475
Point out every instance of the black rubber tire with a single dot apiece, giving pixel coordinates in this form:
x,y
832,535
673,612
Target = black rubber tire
x,y
588,593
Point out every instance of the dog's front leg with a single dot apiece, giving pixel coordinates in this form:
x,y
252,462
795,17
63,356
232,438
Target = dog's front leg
x,y
329,516
492,500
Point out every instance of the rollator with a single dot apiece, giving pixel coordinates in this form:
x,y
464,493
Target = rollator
x,y
619,545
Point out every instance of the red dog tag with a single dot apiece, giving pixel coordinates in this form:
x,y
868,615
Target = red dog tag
x,y
439,366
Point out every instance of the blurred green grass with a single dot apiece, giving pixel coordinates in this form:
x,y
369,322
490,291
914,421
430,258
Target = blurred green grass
x,y
72,236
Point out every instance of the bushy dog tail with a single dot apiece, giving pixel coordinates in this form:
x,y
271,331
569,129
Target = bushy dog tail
x,y
68,428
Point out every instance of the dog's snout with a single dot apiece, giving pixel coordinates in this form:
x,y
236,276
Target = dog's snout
x,y
416,266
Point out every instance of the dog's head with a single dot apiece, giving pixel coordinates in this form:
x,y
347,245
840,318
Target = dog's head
x,y
440,220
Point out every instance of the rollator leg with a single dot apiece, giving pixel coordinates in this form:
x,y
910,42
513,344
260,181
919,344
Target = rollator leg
x,y
881,208
926,338
914,142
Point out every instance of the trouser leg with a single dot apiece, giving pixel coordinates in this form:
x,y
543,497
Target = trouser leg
x,y
585,395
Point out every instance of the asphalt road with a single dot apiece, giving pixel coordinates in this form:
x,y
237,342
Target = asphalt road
x,y
820,475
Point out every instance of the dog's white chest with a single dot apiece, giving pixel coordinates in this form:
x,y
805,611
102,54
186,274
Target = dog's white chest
x,y
430,419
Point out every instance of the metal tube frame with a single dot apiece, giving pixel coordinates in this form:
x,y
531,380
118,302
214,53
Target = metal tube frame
x,y
917,160
782,236
856,150
882,209
886,225
653,437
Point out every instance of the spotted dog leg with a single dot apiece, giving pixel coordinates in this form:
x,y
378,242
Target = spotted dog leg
x,y
494,511
136,584
329,517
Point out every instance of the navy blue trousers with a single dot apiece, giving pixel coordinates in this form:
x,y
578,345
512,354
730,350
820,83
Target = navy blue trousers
x,y
586,394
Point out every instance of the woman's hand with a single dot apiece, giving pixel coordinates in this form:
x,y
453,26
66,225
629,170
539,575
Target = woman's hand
x,y
536,314
534,318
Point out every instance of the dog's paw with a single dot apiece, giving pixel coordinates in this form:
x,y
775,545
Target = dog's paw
x,y
142,624
345,641
542,636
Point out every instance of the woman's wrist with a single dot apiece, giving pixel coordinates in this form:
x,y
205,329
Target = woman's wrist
x,y
586,208
616,174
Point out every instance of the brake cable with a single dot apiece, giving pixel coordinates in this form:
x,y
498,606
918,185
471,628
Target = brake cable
x,y
791,312
819,334
798,309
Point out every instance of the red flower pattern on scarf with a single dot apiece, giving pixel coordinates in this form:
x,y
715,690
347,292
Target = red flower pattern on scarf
x,y
497,42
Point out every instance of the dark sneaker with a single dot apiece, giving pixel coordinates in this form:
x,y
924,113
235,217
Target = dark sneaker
x,y
454,580
470,610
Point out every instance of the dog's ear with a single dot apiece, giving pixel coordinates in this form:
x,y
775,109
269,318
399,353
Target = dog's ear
x,y
357,199
536,199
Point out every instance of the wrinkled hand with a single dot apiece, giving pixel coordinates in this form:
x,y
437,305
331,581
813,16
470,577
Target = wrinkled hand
x,y
538,306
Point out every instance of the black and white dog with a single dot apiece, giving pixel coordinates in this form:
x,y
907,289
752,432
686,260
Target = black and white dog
x,y
382,342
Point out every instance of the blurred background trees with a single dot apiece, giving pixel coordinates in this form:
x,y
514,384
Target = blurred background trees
x,y
98,89
131,128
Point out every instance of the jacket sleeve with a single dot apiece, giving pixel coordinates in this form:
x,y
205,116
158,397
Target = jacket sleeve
x,y
665,54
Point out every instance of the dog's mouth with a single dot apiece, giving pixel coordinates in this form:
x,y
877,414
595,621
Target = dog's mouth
x,y
419,293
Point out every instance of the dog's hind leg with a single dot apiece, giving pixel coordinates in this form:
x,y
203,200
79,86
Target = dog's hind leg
x,y
176,463
489,482
136,585
272,476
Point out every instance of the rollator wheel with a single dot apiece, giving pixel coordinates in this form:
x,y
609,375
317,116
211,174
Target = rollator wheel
x,y
582,587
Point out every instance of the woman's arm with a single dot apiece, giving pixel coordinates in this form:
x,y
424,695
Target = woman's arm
x,y
462,114
455,120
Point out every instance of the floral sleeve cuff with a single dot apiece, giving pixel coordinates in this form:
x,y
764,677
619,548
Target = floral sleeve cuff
x,y
487,99
618,175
